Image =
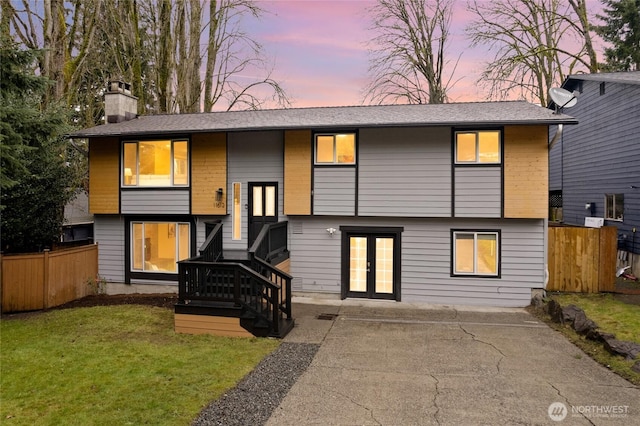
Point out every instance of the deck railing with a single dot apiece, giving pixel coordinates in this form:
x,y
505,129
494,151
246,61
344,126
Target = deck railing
x,y
211,249
271,241
259,287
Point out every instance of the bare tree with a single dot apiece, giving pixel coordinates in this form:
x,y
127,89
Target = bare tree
x,y
408,57
536,44
161,46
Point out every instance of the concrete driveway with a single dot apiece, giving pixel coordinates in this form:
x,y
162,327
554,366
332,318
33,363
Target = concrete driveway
x,y
384,363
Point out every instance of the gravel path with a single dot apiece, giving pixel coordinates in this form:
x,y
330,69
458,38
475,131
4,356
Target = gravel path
x,y
261,390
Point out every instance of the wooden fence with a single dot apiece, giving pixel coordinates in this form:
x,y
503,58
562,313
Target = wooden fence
x,y
44,280
582,260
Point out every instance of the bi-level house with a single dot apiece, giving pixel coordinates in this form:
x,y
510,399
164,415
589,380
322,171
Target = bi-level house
x,y
595,166
441,204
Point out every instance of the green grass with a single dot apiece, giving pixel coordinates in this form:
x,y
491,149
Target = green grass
x,y
115,365
612,316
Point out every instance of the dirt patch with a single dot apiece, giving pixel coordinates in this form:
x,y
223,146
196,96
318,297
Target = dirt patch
x,y
161,300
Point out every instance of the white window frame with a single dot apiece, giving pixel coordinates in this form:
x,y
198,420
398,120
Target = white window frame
x,y
335,162
124,171
132,245
613,198
477,133
475,272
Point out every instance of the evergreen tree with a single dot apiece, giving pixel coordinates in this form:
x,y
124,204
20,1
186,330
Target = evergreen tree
x,y
36,179
622,30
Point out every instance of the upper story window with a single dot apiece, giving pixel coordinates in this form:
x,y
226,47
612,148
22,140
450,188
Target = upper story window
x,y
614,207
478,147
339,148
159,163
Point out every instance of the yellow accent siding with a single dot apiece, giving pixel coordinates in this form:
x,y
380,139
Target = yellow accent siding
x,y
297,172
104,176
526,172
208,173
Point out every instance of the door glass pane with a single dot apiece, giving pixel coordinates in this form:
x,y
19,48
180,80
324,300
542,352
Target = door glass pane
x,y
137,246
489,147
464,253
270,201
257,201
384,265
324,149
237,212
487,254
180,163
358,264
465,147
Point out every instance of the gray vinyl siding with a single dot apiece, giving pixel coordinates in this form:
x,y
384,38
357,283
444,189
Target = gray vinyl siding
x,y
334,191
109,234
426,259
601,155
252,157
155,201
478,192
555,161
404,172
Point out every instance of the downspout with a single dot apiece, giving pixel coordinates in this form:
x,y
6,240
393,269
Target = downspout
x,y
557,136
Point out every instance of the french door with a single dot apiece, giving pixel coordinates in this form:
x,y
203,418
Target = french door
x,y
263,207
371,262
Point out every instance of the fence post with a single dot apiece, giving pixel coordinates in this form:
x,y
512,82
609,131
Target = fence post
x,y
45,279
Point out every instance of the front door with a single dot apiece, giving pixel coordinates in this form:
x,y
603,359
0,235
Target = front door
x,y
371,265
263,207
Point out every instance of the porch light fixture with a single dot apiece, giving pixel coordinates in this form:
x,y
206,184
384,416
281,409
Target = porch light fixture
x,y
219,194
331,231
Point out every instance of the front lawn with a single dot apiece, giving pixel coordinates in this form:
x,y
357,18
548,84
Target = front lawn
x,y
115,365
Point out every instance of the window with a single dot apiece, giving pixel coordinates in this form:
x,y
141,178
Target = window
x,y
614,207
237,211
478,147
336,149
476,253
157,246
155,163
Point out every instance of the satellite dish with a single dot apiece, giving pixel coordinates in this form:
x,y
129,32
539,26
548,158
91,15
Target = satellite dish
x,y
562,98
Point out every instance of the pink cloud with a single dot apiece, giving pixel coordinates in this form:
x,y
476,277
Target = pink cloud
x,y
320,51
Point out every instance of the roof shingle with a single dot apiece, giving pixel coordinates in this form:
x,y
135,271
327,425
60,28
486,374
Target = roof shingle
x,y
455,114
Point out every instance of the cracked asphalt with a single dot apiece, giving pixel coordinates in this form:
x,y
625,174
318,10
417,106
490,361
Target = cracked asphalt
x,y
384,363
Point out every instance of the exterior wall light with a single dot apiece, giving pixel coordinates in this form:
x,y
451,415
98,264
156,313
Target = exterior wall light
x,y
219,193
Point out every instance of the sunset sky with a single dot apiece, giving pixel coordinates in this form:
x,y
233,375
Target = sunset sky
x,y
320,53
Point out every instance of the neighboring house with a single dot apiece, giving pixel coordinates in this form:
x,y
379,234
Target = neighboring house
x,y
594,168
421,203
78,222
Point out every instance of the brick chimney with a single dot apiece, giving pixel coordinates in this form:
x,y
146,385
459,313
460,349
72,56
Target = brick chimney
x,y
119,104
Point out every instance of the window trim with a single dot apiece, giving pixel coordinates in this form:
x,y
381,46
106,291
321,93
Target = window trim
x,y
476,232
335,163
477,160
172,141
606,207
